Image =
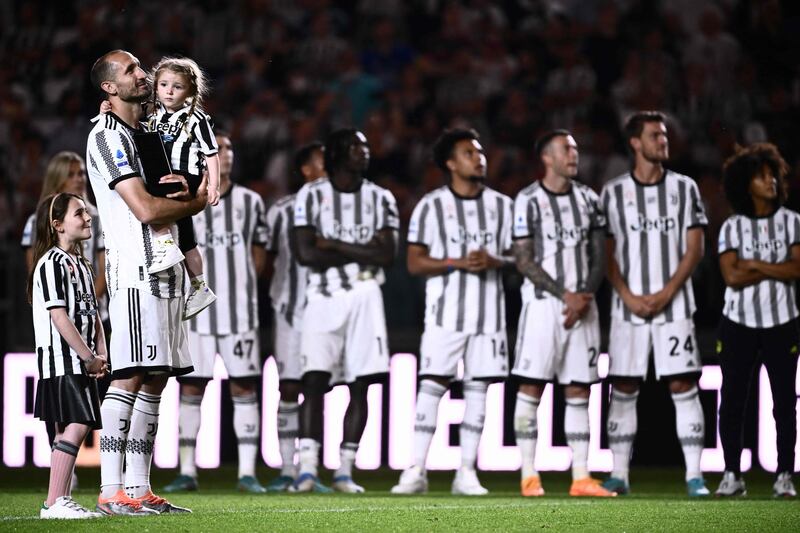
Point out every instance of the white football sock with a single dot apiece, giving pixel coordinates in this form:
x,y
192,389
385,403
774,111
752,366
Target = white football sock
x,y
526,430
428,397
246,425
576,429
690,423
116,417
288,431
621,427
188,427
142,437
472,425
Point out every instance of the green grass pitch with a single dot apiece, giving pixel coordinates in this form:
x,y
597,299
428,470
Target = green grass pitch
x,y
658,503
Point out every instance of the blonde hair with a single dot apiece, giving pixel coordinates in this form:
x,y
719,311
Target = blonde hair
x,y
189,69
58,171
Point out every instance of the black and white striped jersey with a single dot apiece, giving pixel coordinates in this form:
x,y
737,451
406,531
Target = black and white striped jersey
x,y
188,137
559,225
770,302
288,286
451,226
649,223
225,236
111,158
61,280
352,217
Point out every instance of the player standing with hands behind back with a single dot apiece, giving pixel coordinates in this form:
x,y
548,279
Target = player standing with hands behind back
x,y
70,343
656,222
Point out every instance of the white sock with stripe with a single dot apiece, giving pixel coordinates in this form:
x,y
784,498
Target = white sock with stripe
x,y
526,431
576,429
246,425
115,414
691,425
188,427
142,437
428,397
472,426
621,426
288,431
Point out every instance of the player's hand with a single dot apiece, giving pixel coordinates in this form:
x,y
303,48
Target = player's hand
x,y
570,317
96,368
183,194
480,260
105,107
577,302
639,306
658,300
213,195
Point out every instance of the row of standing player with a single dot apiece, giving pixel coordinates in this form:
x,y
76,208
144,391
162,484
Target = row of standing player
x,y
344,230
460,237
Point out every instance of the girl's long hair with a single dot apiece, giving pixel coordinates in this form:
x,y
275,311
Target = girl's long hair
x,y
189,69
51,209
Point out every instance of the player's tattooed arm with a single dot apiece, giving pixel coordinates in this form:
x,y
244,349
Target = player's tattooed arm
x,y
303,241
597,261
528,267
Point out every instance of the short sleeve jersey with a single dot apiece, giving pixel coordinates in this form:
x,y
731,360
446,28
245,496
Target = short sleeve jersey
x,y
111,158
451,226
649,224
770,302
288,287
559,225
61,280
352,217
188,137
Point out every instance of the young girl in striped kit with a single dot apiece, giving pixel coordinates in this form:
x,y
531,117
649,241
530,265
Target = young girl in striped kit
x,y
70,342
186,130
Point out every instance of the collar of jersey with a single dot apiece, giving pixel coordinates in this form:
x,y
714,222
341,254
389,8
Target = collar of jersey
x,y
123,123
462,197
336,188
643,184
553,193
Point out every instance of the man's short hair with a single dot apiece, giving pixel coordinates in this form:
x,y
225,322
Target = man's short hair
x,y
103,70
635,123
444,145
543,141
303,156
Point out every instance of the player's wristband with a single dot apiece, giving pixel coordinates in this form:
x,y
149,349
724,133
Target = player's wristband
x,y
450,265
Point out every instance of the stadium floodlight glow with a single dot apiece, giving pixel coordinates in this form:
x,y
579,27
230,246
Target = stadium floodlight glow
x,y
492,454
17,423
165,454
402,399
270,450
713,459
767,447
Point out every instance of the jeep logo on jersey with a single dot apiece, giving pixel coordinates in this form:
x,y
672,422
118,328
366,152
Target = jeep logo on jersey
x,y
354,233
224,239
169,130
86,297
764,246
560,233
662,224
481,237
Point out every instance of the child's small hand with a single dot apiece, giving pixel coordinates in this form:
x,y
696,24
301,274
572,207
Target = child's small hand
x,y
213,195
105,107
